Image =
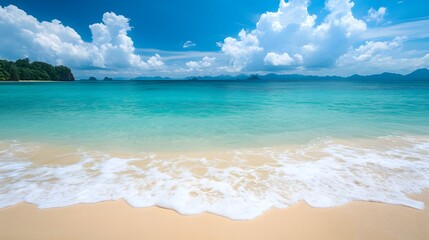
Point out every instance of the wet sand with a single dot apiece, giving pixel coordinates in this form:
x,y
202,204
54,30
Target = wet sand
x,y
118,220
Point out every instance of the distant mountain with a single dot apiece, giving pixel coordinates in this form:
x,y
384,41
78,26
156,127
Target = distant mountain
x,y
153,78
211,78
297,77
95,79
384,77
420,74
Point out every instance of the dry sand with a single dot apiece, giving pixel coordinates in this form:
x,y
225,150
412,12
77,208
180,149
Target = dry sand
x,y
117,220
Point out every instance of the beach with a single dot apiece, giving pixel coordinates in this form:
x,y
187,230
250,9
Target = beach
x,y
214,120
118,220
214,160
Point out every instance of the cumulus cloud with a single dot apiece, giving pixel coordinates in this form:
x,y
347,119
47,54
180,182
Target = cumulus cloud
x,y
189,44
376,15
370,50
241,50
155,61
206,62
289,39
387,55
278,59
291,31
111,47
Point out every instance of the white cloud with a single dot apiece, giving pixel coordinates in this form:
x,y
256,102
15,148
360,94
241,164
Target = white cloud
x,y
292,30
206,62
413,30
189,44
372,56
370,51
240,50
278,59
290,40
111,47
376,15
155,61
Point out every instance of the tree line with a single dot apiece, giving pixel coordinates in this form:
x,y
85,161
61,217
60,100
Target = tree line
x,y
23,69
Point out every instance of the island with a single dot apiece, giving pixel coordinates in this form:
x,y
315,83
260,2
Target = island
x,y
23,69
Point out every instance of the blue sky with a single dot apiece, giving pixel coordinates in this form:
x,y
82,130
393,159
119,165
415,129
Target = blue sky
x,y
189,37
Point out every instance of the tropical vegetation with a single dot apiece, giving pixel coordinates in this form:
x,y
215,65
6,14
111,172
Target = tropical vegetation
x,y
23,69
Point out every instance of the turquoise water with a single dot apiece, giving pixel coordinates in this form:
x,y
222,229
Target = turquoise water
x,y
178,115
232,148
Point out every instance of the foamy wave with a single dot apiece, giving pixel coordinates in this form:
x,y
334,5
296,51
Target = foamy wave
x,y
324,174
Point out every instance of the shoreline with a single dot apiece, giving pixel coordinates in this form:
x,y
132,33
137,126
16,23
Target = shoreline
x,y
118,220
10,81
235,185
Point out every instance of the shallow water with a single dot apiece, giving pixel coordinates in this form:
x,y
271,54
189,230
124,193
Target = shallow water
x,y
233,148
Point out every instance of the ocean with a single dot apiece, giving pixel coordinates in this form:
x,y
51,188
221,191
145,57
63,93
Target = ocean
x,y
231,148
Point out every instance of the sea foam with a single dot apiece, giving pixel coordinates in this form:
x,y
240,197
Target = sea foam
x,y
325,173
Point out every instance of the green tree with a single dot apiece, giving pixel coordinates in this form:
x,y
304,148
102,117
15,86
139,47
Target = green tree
x,y
14,72
23,63
64,73
23,69
3,72
45,69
